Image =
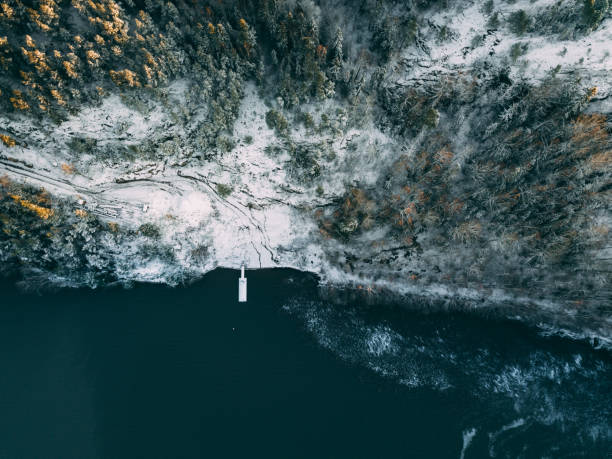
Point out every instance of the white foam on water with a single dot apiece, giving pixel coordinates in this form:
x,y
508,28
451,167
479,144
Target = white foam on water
x,y
380,342
536,386
493,436
599,432
513,425
578,360
468,435
597,338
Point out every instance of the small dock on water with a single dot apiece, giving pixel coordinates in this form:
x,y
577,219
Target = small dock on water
x,y
242,286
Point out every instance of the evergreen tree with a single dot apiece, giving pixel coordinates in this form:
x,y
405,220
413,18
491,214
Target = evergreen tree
x,y
335,71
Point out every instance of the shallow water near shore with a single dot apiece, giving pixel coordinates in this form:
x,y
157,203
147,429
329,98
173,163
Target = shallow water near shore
x,y
188,372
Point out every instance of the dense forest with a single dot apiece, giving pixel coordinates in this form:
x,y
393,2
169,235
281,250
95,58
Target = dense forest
x,y
495,172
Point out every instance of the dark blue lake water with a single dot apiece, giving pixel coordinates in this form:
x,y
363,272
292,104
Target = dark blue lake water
x,y
159,372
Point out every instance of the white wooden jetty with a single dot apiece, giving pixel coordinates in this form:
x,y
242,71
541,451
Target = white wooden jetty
x,y
242,286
